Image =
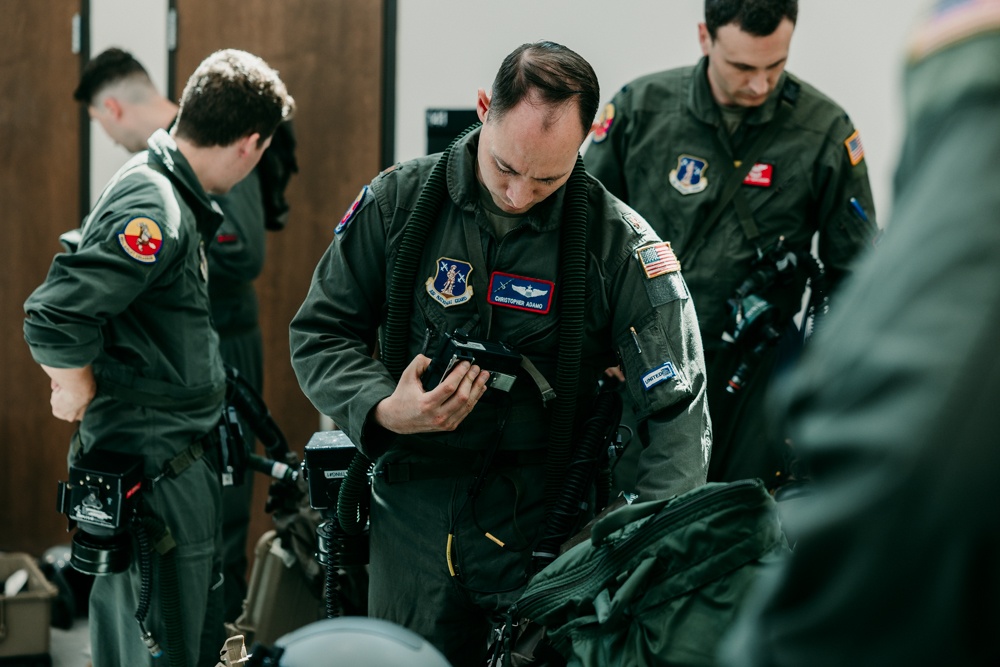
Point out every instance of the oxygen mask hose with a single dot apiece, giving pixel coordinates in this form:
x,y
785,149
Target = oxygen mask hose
x,y
145,576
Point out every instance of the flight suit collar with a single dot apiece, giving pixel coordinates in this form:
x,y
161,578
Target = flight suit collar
x,y
163,150
703,105
463,187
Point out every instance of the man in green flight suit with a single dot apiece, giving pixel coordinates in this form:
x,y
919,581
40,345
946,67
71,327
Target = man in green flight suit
x,y
123,328
120,96
516,244
726,159
897,560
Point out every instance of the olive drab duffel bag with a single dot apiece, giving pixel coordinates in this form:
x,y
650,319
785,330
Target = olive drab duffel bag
x,y
659,583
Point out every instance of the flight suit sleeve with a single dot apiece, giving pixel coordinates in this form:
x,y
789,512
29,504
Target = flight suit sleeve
x,y
104,277
846,210
603,158
656,335
334,332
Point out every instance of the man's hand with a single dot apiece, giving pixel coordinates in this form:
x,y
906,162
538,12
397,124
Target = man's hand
x,y
410,409
72,391
615,372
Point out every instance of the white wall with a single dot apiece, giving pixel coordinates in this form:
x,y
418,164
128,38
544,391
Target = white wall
x,y
140,27
849,49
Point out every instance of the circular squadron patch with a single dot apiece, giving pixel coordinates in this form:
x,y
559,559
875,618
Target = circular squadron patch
x,y
141,239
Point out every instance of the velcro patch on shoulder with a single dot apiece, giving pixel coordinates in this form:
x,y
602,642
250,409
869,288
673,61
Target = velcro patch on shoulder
x,y
657,259
665,289
345,222
141,239
855,151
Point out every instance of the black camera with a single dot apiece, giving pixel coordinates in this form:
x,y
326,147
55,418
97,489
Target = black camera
x,y
495,357
101,498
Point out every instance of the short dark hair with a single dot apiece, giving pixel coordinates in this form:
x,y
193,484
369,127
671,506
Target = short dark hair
x,y
757,17
232,94
108,67
557,73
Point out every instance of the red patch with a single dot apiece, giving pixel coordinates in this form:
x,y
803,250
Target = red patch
x,y
227,238
760,175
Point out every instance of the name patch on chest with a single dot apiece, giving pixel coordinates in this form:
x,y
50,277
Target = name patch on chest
x,y
450,285
760,175
521,293
658,375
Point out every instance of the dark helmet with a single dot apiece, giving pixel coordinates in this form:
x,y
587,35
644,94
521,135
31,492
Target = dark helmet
x,y
352,641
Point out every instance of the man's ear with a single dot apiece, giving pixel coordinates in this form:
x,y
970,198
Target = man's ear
x,y
704,38
248,144
113,107
482,104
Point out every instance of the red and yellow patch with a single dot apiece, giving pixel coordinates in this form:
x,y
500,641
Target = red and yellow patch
x,y
604,122
141,239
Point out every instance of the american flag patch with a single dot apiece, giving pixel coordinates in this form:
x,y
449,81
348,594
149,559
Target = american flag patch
x,y
658,259
855,151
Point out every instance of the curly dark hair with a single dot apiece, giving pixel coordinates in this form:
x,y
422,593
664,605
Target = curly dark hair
x,y
231,95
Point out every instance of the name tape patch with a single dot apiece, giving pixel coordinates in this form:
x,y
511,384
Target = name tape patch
x,y
521,293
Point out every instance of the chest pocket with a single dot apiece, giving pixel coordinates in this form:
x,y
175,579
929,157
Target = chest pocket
x,y
779,208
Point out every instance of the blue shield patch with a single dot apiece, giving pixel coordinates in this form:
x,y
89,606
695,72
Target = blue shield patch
x,y
531,294
450,285
689,176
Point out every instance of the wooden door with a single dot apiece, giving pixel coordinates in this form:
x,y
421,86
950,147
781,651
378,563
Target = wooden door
x,y
39,197
329,54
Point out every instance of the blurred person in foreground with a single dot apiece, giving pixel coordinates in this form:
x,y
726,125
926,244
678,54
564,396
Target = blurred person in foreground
x,y
894,409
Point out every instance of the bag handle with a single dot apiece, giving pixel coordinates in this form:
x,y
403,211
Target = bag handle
x,y
619,518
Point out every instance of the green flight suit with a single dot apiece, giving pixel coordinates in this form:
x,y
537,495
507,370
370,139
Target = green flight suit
x,y
894,406
664,149
462,285
132,302
235,259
